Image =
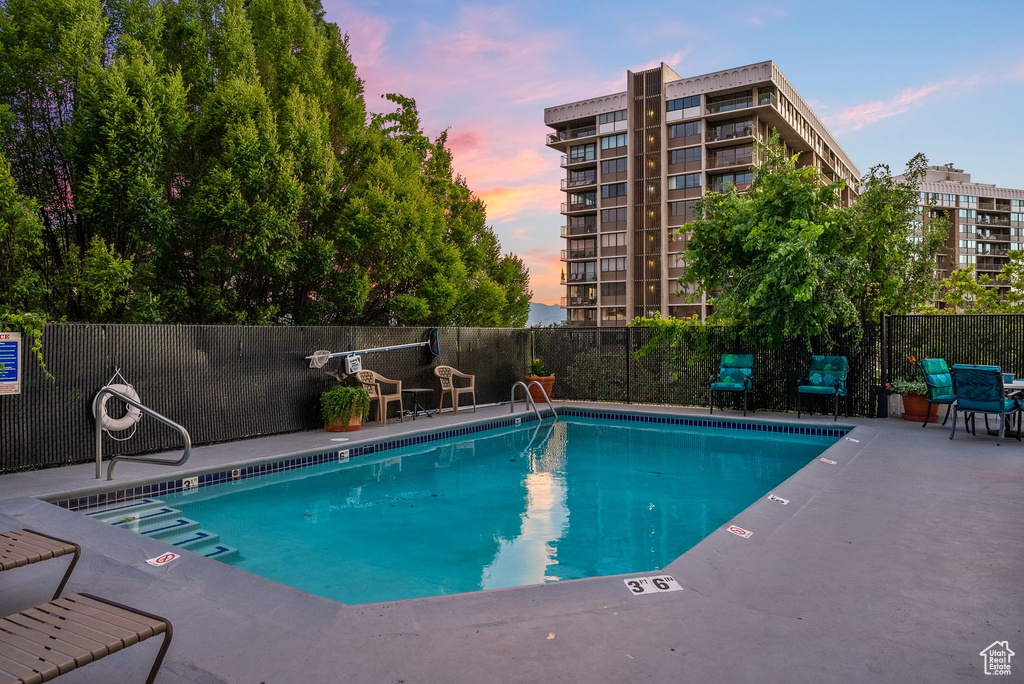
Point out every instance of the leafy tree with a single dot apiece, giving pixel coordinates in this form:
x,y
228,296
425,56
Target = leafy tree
x,y
777,260
895,250
211,161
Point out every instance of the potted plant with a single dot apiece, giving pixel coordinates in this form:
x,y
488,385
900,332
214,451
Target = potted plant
x,y
344,408
914,393
540,373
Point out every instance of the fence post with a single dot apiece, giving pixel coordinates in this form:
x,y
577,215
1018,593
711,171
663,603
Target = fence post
x,y
629,356
882,409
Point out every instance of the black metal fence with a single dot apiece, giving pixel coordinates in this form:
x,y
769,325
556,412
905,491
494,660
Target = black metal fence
x,y
598,364
225,382
994,339
221,382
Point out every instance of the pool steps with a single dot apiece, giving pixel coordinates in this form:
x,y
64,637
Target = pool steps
x,y
154,518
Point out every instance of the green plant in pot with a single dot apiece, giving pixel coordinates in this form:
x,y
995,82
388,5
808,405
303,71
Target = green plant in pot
x,y
539,373
344,408
915,395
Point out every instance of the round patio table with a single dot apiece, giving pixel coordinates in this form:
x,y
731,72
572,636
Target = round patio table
x,y
416,392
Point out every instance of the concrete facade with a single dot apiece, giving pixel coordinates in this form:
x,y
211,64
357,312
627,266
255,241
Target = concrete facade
x,y
986,221
636,160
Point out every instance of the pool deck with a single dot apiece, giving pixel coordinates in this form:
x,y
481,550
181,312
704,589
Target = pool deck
x,y
901,562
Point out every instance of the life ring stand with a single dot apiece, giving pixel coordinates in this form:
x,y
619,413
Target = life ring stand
x,y
131,417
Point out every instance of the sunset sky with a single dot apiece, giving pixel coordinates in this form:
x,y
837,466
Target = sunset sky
x,y
888,78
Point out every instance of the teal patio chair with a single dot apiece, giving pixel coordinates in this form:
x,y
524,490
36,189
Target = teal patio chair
x,y
940,386
979,389
733,376
826,377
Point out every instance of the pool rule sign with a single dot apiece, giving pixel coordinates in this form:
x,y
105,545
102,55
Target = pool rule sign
x,y
10,363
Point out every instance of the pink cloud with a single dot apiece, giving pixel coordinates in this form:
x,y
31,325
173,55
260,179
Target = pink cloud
x,y
506,202
545,272
858,116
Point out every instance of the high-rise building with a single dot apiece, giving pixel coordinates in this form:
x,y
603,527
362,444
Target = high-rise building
x,y
636,160
985,221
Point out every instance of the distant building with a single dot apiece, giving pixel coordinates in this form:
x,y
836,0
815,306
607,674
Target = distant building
x,y
985,221
636,160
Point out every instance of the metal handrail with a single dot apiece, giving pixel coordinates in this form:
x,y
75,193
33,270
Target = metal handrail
x,y
135,459
529,399
544,394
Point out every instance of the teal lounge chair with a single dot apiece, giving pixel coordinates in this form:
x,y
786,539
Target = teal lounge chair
x,y
826,376
979,389
940,386
733,376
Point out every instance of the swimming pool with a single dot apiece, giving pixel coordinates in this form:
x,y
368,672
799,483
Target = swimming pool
x,y
579,497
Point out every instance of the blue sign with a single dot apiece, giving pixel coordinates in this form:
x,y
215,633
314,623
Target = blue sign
x,y
10,363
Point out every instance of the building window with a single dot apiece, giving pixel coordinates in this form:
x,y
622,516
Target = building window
x,y
720,182
613,190
682,103
614,165
613,313
613,240
681,208
584,200
733,155
688,180
613,289
687,154
582,270
613,215
613,141
611,117
583,152
613,264
736,128
684,130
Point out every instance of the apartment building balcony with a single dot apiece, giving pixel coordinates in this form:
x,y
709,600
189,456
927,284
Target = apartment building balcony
x,y
571,254
570,184
585,229
992,221
991,204
737,133
561,137
740,103
992,236
578,301
574,161
725,161
724,187
574,278
570,208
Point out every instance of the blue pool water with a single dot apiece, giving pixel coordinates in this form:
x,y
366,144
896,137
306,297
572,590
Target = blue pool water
x,y
588,497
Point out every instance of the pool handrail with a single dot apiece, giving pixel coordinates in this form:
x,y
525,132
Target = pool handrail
x,y
529,398
135,459
547,399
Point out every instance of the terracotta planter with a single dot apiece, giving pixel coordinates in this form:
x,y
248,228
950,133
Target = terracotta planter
x,y
546,381
354,423
914,407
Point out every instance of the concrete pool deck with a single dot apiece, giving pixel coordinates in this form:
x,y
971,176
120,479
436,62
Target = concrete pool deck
x,y
901,562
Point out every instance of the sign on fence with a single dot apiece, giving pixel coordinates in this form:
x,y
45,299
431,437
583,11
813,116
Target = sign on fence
x,y
10,363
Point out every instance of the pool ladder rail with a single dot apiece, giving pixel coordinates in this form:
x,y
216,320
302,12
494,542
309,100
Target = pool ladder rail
x,y
529,398
186,438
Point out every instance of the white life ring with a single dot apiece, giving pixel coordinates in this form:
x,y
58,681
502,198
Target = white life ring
x,y
130,418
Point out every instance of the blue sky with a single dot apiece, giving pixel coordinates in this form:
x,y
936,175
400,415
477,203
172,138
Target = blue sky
x,y
890,79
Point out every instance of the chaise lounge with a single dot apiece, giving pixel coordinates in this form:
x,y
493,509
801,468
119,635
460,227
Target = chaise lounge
x,y
52,639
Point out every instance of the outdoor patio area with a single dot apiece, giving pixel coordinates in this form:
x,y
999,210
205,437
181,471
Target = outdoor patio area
x,y
900,562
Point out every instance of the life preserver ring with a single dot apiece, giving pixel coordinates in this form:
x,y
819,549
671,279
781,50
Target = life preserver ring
x,y
129,419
